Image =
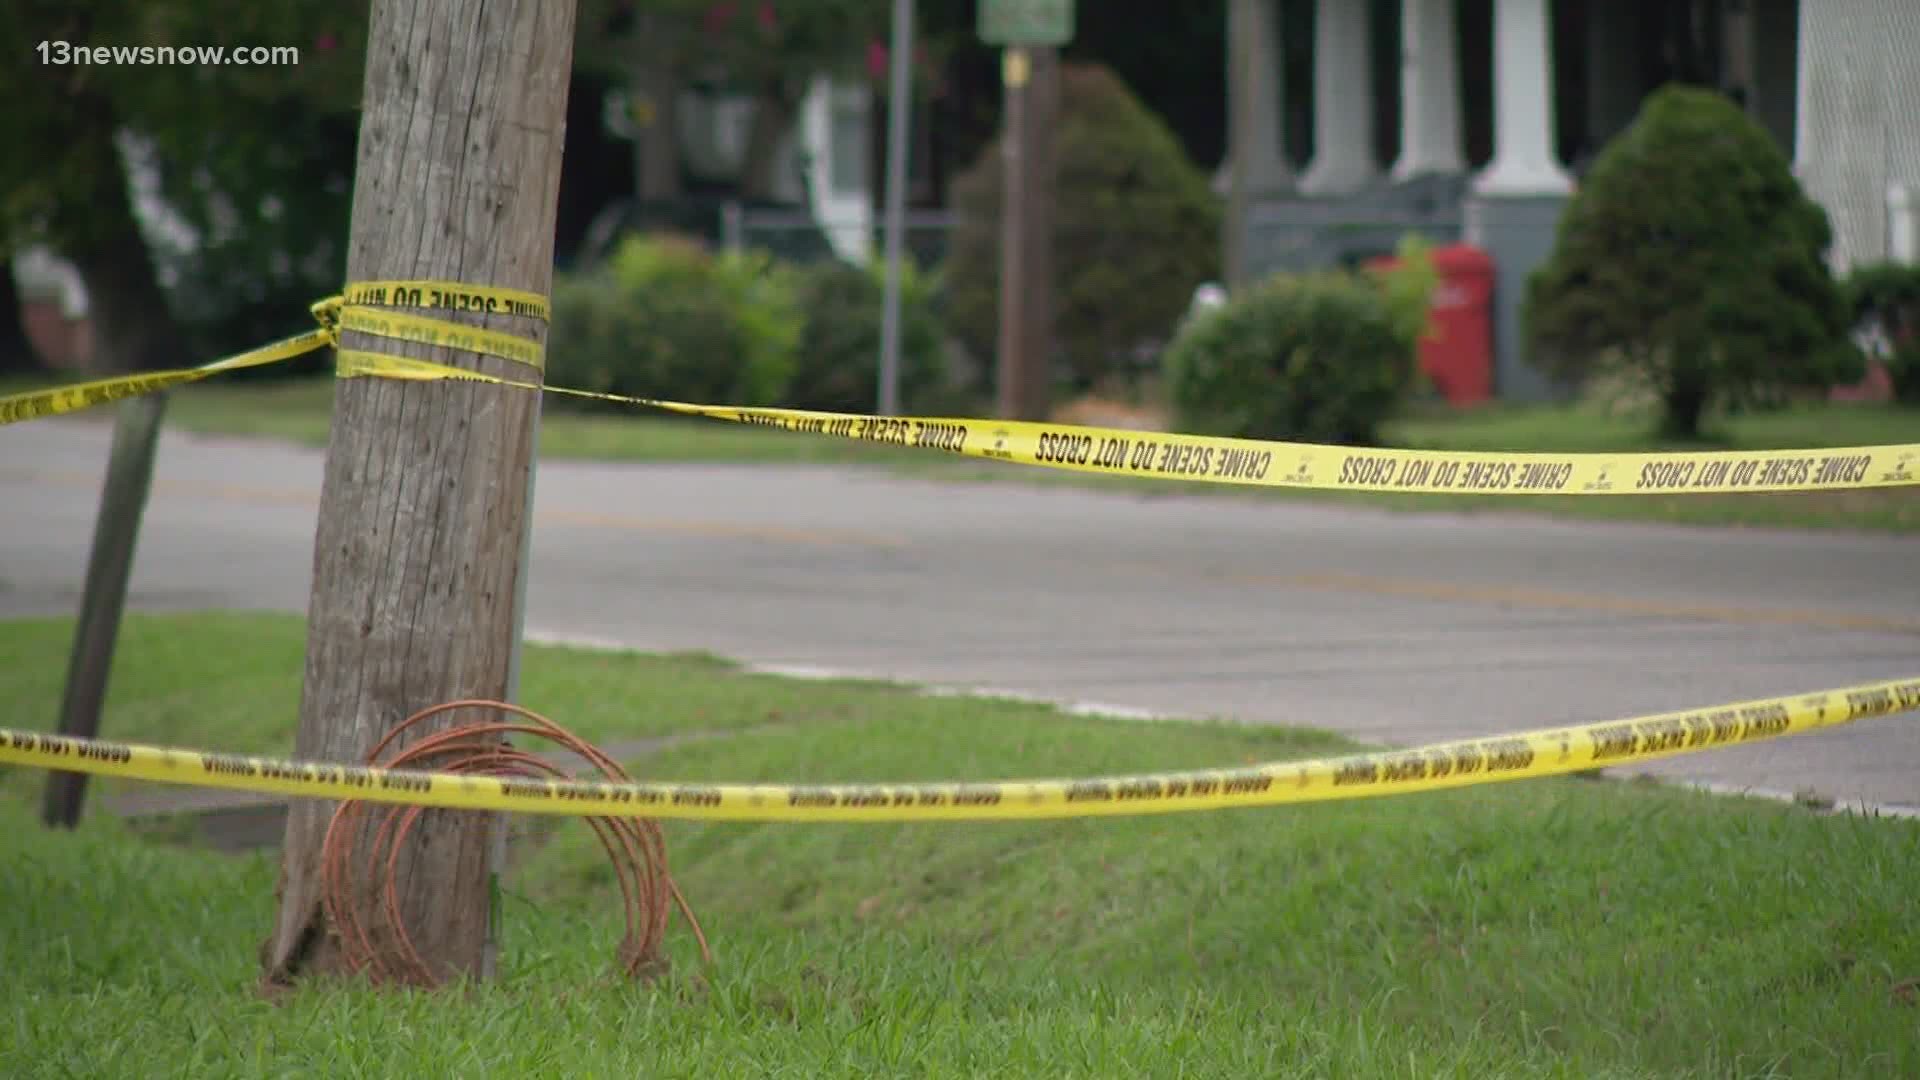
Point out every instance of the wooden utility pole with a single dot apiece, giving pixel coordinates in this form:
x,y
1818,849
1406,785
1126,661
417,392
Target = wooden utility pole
x,y
116,533
133,330
1032,78
417,555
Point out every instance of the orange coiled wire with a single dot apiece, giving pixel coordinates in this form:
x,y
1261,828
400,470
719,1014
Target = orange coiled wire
x,y
382,948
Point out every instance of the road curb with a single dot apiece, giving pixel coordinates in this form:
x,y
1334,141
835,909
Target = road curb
x,y
1809,801
200,802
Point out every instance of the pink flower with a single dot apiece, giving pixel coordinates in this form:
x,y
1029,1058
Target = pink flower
x,y
326,43
876,60
766,16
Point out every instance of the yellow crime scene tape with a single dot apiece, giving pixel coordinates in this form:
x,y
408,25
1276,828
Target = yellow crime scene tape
x,y
352,310
1112,451
427,331
34,404
1220,460
448,296
360,308
1462,763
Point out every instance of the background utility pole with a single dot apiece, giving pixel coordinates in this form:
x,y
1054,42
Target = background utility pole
x,y
899,110
417,556
1030,31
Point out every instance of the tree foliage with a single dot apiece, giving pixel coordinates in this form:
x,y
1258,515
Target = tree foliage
x,y
663,317
16,352
838,361
1136,230
768,50
1692,259
788,41
225,185
1886,295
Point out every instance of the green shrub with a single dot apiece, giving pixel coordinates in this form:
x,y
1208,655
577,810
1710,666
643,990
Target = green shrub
x,y
1407,288
1691,258
1321,357
838,368
1888,295
1136,230
664,318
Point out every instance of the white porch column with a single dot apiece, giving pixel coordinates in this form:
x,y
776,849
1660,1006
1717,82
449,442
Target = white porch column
x,y
1259,93
1342,101
1524,162
1429,91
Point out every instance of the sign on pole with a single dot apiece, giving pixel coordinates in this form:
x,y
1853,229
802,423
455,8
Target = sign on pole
x,y
1026,23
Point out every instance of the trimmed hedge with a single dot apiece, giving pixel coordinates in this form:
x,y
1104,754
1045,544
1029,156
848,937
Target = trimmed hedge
x,y
1322,357
665,318
838,363
1888,295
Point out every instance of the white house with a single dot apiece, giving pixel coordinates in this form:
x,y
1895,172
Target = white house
x,y
823,170
1500,103
823,164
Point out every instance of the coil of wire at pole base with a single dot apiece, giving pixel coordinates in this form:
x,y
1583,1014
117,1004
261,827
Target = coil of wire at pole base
x,y
369,839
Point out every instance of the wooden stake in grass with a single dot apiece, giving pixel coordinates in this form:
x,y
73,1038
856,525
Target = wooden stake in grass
x,y
418,548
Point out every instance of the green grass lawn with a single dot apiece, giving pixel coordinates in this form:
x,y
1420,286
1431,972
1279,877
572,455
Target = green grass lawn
x,y
1538,928
298,411
1588,427
234,683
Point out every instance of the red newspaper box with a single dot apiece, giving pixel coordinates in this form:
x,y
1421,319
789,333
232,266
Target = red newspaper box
x,y
1457,352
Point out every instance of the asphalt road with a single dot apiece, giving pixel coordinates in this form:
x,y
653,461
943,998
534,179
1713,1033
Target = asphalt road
x,y
1394,628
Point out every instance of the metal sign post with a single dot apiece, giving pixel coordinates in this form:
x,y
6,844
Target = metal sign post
x,y
899,108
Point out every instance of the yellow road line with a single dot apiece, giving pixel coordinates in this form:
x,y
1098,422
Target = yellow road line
x,y
722,530
1440,591
1557,600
